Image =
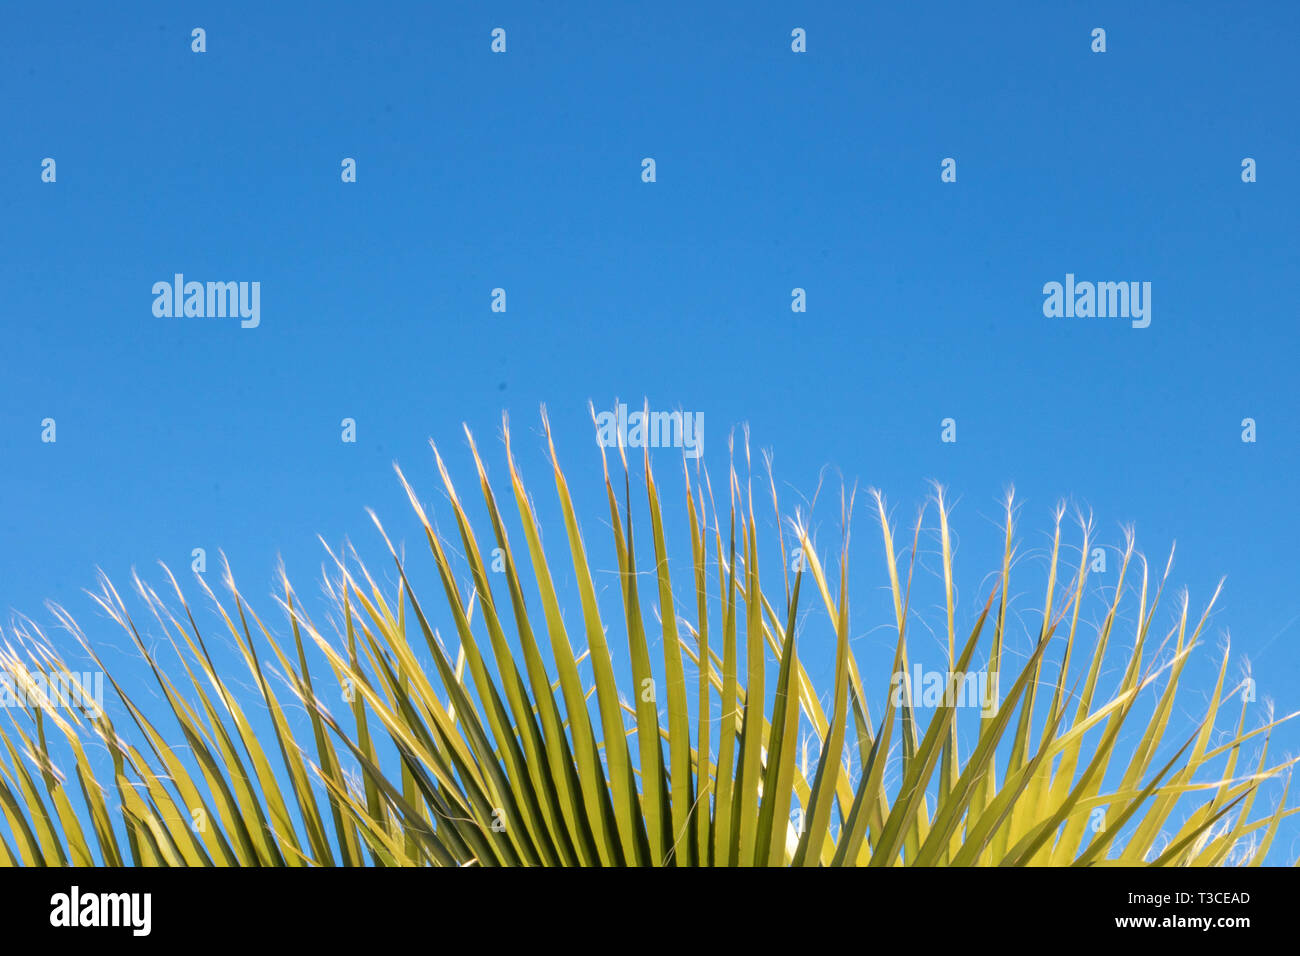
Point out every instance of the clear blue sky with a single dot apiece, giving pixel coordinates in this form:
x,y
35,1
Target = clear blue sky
x,y
774,171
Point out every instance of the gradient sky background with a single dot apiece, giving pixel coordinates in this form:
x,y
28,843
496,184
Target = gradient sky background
x,y
775,170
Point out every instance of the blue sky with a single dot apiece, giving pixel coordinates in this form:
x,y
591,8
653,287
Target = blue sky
x,y
774,171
